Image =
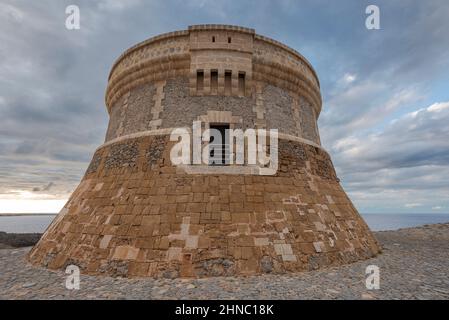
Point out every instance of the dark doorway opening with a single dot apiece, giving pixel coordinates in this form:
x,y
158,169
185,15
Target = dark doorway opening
x,y
219,150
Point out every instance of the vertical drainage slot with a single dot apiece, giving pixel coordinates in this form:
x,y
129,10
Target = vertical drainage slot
x,y
199,81
241,83
228,82
213,81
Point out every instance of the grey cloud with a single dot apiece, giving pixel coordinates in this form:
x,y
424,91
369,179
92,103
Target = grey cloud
x,y
415,139
52,82
407,161
44,188
48,186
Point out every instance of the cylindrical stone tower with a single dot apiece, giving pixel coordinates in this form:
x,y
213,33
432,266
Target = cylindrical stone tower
x,y
137,214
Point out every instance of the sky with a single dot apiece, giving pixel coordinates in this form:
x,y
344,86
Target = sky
x,y
385,92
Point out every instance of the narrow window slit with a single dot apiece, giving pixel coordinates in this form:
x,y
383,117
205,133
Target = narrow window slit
x,y
228,82
200,80
241,83
214,81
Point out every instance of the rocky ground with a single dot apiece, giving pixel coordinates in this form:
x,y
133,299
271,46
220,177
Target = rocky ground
x,y
13,240
414,265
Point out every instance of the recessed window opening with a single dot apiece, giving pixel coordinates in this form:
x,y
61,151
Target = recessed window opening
x,y
228,81
241,83
219,153
229,39
200,80
213,38
214,81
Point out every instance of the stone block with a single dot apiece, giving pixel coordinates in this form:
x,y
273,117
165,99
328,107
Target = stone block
x,y
105,241
261,241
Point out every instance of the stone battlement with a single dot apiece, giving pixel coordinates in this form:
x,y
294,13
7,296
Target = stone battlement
x,y
199,49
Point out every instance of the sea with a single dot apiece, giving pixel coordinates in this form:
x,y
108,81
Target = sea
x,y
37,223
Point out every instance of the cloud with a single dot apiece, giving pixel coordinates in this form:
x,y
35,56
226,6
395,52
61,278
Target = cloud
x,y
438,107
404,142
360,107
48,186
409,156
10,12
348,78
412,205
117,5
44,188
381,119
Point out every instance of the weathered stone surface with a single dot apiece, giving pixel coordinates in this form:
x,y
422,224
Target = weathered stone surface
x,y
155,150
205,225
94,164
307,120
279,110
266,264
122,155
181,109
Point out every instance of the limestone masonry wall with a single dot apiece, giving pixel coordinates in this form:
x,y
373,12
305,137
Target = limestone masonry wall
x,y
132,113
134,214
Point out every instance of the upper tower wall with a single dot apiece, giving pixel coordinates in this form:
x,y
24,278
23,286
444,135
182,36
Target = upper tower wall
x,y
204,69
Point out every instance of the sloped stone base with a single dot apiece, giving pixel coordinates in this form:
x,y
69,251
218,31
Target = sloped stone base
x,y
134,214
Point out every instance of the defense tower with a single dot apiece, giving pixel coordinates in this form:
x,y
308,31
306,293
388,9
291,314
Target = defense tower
x,y
136,214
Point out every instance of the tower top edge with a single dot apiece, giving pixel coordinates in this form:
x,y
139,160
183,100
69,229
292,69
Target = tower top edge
x,y
224,27
211,27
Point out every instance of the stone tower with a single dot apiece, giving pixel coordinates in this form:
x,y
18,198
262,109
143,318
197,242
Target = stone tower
x,y
137,214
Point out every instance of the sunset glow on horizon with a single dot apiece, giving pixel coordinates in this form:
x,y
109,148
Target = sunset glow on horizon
x,y
31,206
